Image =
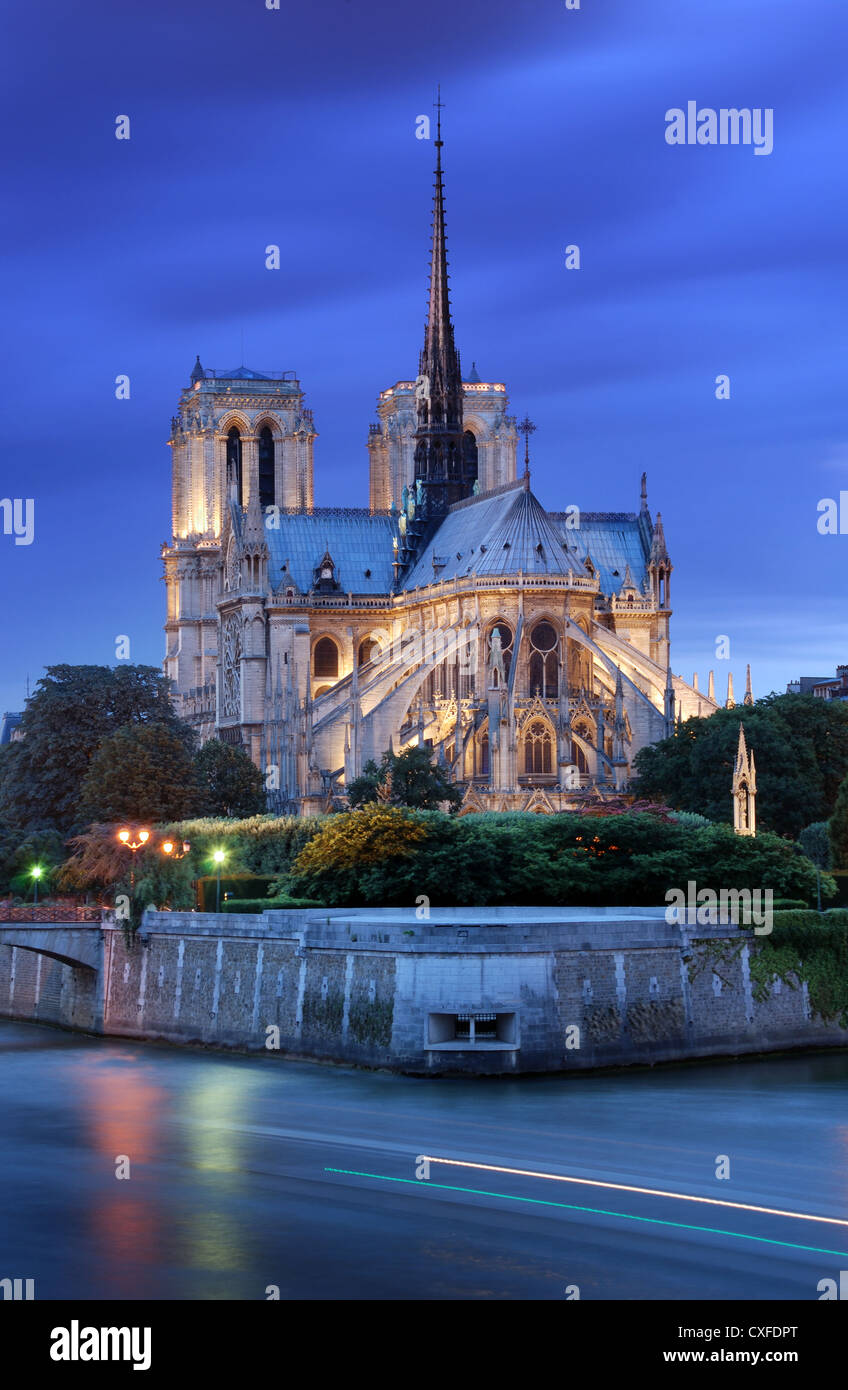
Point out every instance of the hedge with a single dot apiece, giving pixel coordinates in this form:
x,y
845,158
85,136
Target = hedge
x,y
236,885
266,904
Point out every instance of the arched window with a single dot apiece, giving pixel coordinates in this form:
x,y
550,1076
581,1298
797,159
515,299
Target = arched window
x,y
577,754
266,468
368,647
543,667
484,755
469,456
234,462
325,659
538,753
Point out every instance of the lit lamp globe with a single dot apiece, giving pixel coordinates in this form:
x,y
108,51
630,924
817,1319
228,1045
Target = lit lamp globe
x,y
218,856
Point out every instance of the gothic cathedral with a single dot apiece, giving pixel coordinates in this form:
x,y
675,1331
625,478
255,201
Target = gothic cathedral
x,y
528,648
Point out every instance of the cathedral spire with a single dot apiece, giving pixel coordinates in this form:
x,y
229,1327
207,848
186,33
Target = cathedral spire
x,y
445,474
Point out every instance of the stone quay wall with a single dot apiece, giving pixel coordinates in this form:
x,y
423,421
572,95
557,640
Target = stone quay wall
x,y
469,991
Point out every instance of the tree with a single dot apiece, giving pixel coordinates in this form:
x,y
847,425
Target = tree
x,y
142,773
815,843
838,828
230,782
72,709
21,851
409,778
801,749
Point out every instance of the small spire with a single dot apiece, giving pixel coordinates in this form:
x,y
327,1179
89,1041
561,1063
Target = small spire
x,y
749,694
695,680
711,687
644,497
198,373
527,428
730,703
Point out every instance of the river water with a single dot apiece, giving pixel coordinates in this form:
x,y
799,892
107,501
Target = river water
x,y
132,1170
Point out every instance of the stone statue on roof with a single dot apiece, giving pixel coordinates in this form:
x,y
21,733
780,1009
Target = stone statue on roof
x,y
476,488
496,661
419,492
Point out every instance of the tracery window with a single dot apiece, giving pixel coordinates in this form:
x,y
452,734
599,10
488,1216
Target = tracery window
x,y
538,748
543,666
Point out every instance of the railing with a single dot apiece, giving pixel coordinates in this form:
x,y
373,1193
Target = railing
x,y
47,912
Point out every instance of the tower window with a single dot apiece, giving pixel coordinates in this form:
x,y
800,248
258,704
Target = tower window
x,y
266,468
234,463
469,457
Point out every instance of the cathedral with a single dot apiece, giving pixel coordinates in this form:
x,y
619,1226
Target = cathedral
x,y
527,647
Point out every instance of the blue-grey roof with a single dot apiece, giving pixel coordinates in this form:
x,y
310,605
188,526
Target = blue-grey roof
x,y
614,540
357,541
500,532
497,533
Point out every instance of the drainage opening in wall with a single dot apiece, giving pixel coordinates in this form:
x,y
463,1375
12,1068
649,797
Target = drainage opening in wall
x,y
473,1030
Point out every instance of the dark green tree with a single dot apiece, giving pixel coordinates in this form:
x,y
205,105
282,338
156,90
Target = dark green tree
x,y
815,843
410,778
141,773
230,782
838,829
801,749
72,709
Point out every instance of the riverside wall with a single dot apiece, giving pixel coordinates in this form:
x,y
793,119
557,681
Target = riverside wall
x,y
547,989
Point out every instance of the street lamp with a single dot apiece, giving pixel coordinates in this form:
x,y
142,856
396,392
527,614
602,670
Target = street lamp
x,y
125,837
169,848
36,871
219,856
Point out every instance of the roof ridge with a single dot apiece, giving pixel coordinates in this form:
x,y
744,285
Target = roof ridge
x,y
517,485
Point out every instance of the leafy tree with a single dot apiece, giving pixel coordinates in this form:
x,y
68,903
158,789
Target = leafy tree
x,y
815,843
365,857
801,749
72,709
231,783
20,851
141,773
410,778
838,828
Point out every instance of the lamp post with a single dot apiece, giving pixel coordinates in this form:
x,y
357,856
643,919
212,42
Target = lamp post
x,y
169,848
219,856
126,839
36,872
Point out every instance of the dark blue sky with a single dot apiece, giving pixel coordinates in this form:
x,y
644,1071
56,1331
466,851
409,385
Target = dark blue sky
x,y
297,127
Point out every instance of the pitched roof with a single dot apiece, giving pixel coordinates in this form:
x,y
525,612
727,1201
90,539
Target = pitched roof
x,y
357,540
499,532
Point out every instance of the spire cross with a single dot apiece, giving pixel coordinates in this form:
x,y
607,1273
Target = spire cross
x,y
527,428
438,103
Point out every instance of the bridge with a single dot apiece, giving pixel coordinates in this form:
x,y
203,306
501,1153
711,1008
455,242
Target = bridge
x,y
73,943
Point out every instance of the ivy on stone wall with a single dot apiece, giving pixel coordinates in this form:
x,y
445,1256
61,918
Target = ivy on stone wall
x,y
371,1021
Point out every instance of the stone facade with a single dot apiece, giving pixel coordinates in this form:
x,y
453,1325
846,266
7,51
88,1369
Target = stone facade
x,y
320,637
